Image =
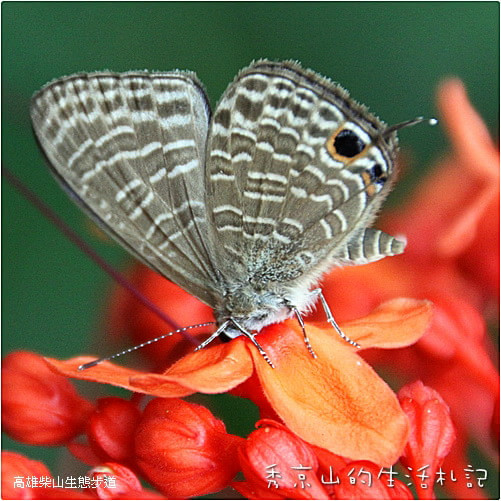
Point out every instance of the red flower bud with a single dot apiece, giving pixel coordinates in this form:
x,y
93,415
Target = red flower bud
x,y
111,429
431,434
113,481
275,459
184,450
328,464
24,478
365,480
39,407
16,469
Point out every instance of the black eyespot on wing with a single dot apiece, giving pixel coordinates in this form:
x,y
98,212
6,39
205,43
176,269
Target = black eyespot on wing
x,y
376,174
376,171
348,144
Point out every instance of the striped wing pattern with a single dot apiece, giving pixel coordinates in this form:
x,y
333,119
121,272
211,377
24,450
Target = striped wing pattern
x,y
130,150
279,204
253,196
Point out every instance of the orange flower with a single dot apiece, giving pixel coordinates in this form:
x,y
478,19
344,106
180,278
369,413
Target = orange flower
x,y
452,259
279,465
333,414
335,401
453,217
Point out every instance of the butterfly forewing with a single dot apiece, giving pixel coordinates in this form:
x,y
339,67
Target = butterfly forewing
x,y
130,149
281,203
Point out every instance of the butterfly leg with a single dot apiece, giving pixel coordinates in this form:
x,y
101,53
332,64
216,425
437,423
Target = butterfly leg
x,y
216,334
244,331
330,318
305,336
252,337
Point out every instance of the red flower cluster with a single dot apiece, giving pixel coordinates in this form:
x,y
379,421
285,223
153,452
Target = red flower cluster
x,y
331,428
184,451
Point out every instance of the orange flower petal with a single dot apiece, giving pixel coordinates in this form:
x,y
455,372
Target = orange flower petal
x,y
107,373
158,385
463,230
480,261
129,317
394,324
467,130
474,150
213,370
335,401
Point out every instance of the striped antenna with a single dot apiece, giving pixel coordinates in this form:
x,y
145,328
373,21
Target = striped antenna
x,y
142,345
408,123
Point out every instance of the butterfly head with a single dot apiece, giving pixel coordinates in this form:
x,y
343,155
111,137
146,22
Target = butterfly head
x,y
252,309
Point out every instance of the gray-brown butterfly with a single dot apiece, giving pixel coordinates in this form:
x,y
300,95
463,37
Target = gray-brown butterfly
x,y
246,209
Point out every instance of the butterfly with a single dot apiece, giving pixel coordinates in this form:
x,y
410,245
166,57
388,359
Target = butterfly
x,y
245,208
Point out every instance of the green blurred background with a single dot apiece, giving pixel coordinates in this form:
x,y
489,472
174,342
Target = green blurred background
x,y
390,55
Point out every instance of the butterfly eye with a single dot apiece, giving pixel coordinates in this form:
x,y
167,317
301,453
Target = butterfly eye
x,y
347,143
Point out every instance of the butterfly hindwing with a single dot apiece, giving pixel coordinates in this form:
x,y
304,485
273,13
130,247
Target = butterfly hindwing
x,y
281,200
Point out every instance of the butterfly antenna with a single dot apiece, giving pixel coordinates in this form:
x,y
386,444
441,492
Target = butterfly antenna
x,y
142,345
408,123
